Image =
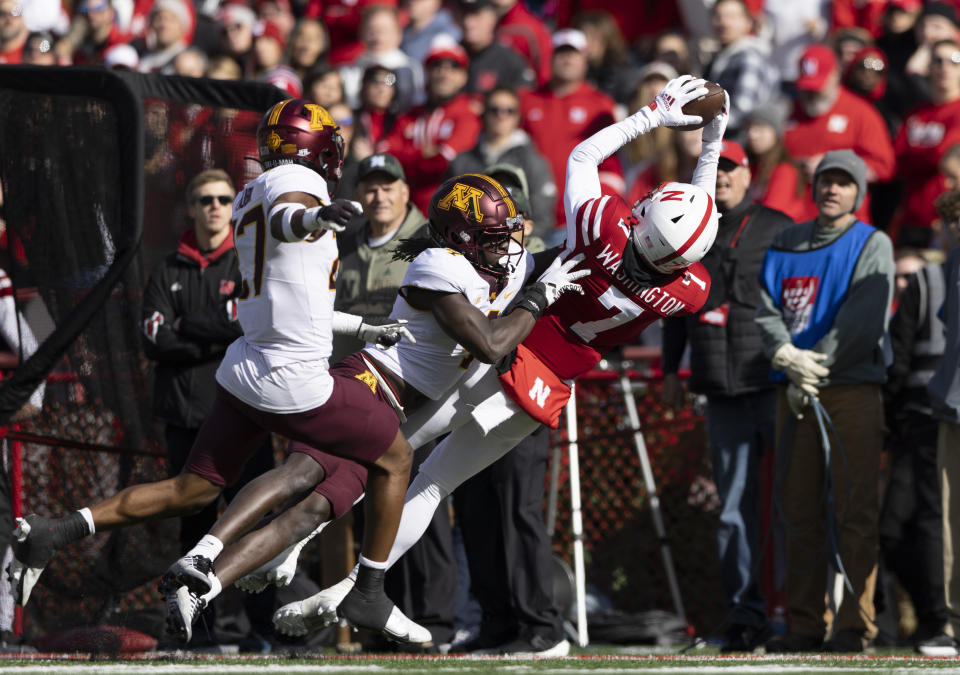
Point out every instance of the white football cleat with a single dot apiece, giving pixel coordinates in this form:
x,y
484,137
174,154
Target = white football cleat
x,y
373,610
183,609
401,629
313,613
32,549
195,572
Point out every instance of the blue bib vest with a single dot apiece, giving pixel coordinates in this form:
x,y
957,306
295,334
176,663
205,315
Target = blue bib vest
x,y
809,286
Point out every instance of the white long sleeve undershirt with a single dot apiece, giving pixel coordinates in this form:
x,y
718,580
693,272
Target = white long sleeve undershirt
x,y
583,181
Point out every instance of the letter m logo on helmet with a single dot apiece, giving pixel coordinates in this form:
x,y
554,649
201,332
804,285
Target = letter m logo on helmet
x,y
296,131
464,198
319,117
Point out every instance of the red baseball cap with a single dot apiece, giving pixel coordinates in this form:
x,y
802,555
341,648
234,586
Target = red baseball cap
x,y
443,47
816,64
734,152
270,30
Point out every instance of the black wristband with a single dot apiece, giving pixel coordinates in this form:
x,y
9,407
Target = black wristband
x,y
532,298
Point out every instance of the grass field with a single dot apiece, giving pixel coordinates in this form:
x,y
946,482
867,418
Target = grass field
x,y
585,661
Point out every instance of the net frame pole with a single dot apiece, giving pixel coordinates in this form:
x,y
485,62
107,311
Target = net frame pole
x,y
576,518
16,489
555,459
653,496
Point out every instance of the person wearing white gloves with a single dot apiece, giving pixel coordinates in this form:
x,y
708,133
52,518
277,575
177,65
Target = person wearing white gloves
x,y
826,288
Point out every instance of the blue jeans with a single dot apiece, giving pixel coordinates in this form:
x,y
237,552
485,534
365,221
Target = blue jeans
x,y
739,429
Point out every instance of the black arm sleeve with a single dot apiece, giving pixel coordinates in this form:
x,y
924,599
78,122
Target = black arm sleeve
x,y
674,342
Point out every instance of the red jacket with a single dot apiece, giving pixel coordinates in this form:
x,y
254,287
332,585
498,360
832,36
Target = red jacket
x,y
558,123
927,133
523,32
858,13
658,16
14,56
851,123
450,128
342,19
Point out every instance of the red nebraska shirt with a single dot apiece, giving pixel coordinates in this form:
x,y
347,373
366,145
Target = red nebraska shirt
x,y
451,128
851,123
927,133
523,32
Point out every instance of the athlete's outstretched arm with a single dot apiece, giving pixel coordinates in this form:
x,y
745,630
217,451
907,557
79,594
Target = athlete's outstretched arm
x,y
486,339
583,181
295,216
489,339
705,175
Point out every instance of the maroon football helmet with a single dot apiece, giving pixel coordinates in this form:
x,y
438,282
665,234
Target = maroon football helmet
x,y
472,213
296,131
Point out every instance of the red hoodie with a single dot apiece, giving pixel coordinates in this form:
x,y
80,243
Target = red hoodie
x,y
523,32
449,128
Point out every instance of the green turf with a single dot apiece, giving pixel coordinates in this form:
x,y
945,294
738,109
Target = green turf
x,y
590,660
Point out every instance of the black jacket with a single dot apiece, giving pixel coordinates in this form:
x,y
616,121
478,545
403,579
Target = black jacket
x,y
917,341
199,290
726,355
521,153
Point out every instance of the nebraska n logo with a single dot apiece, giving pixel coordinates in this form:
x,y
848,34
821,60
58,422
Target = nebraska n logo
x,y
539,392
463,198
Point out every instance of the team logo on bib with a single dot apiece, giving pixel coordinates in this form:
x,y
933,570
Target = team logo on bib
x,y
797,296
368,379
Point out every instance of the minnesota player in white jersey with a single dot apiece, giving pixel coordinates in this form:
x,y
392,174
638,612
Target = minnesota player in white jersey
x,y
275,378
457,284
644,265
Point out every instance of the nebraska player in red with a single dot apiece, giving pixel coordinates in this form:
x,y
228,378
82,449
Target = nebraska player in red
x,y
644,266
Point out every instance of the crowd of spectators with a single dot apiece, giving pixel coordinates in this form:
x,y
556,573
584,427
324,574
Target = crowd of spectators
x,y
453,86
417,77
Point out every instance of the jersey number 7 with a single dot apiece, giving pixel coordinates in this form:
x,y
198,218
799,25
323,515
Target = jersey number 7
x,y
627,310
255,217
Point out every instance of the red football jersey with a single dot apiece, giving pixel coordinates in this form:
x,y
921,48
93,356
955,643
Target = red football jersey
x,y
577,330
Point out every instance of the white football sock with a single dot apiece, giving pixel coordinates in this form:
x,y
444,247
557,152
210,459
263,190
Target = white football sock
x,y
423,497
88,516
209,547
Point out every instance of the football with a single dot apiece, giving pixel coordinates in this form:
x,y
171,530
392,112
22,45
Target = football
x,y
707,106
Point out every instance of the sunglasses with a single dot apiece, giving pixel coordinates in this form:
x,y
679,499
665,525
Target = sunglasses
x,y
388,80
207,200
496,110
86,9
871,63
953,58
12,13
41,47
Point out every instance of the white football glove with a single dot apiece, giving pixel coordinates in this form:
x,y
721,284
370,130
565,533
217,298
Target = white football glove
x,y
559,278
676,94
798,400
387,335
334,216
803,366
718,125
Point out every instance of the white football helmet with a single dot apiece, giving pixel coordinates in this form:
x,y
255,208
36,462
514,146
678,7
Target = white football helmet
x,y
676,225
